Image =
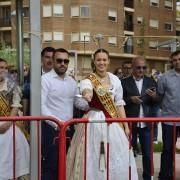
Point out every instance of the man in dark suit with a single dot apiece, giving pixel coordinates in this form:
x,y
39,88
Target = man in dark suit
x,y
139,91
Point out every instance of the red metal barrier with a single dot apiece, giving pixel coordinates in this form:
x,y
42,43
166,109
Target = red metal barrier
x,y
62,136
62,168
29,119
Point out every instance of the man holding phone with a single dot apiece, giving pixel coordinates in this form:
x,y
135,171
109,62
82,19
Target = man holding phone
x,y
139,91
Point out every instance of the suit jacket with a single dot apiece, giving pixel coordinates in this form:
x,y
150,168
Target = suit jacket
x,y
130,89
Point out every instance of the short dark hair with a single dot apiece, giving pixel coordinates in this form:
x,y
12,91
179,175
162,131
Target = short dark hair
x,y
175,53
47,49
126,62
99,51
3,60
116,71
62,50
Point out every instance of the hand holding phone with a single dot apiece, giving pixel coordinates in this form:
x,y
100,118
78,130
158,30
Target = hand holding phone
x,y
151,91
152,88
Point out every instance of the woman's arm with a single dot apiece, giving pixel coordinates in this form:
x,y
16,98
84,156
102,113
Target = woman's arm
x,y
122,114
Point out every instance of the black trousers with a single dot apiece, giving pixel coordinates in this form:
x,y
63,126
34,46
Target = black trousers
x,y
50,151
166,169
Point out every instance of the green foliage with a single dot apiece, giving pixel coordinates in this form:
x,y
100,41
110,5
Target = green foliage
x,y
142,39
10,55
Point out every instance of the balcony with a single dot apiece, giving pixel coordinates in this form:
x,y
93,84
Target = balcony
x,y
5,22
129,3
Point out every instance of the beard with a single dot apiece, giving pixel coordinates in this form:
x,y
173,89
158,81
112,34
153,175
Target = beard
x,y
61,70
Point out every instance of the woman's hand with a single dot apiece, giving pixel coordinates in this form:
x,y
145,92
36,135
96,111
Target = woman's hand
x,y
87,94
4,127
127,131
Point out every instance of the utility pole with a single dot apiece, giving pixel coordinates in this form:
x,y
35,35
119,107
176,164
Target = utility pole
x,y
19,42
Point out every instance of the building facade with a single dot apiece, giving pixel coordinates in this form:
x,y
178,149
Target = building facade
x,y
124,27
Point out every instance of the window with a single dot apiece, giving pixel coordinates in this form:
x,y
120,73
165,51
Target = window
x,y
154,3
58,36
168,4
58,10
75,11
112,15
112,40
154,23
85,36
153,45
74,37
168,26
26,11
47,36
140,20
84,11
47,11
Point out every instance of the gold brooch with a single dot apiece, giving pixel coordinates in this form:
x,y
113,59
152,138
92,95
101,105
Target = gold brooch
x,y
101,91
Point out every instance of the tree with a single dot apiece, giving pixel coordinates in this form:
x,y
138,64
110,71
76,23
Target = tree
x,y
10,55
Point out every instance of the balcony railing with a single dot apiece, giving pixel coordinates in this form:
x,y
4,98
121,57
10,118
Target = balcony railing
x,y
129,3
5,22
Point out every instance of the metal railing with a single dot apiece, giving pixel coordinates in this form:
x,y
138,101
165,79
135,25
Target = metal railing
x,y
62,137
62,168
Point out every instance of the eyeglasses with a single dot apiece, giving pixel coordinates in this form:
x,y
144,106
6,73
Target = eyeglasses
x,y
65,61
141,67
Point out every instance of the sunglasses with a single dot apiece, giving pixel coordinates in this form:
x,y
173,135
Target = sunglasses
x,y
65,61
141,67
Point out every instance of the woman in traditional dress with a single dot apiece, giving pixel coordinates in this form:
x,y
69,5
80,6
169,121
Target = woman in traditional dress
x,y
104,93
10,97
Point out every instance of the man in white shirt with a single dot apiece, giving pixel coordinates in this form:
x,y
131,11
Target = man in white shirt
x,y
138,94
58,96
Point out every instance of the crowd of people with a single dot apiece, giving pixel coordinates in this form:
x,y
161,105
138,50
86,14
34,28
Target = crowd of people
x,y
129,92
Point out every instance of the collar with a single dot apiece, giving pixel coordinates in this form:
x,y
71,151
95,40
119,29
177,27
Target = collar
x,y
42,71
55,75
177,74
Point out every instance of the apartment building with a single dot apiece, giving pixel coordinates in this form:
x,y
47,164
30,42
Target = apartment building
x,y
124,27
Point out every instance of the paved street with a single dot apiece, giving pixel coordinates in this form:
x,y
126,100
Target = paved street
x,y
157,165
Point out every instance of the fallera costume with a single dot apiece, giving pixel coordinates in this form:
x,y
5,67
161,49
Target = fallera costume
x,y
103,105
10,97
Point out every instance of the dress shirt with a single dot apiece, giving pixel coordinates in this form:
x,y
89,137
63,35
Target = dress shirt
x,y
168,90
58,96
139,84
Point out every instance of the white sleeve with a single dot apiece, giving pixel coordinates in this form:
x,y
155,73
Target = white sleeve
x,y
85,84
80,103
44,94
118,97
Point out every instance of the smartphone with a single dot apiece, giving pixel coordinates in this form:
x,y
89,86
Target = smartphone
x,y
152,88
